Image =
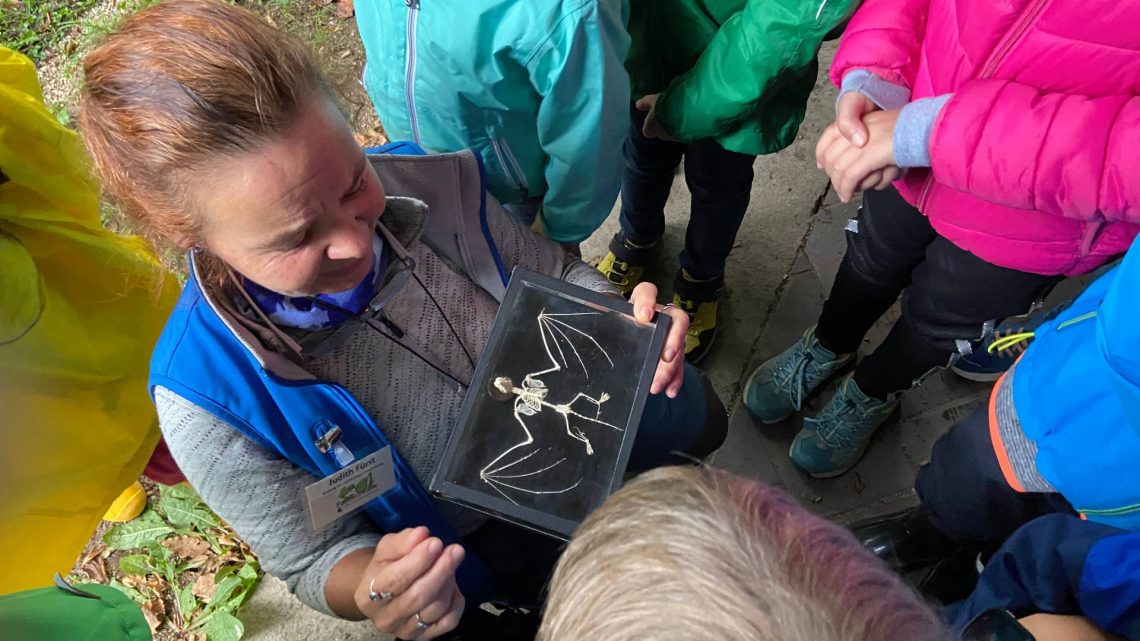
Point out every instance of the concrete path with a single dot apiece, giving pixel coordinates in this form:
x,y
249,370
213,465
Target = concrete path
x,y
784,261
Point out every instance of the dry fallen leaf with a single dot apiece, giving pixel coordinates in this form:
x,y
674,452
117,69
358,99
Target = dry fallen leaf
x,y
100,550
131,581
345,9
204,587
154,610
96,570
195,636
187,547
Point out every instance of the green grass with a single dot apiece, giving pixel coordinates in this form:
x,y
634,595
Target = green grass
x,y
35,27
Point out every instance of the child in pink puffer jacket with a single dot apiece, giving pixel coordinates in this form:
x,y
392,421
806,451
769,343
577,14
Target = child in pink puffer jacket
x,y
1010,132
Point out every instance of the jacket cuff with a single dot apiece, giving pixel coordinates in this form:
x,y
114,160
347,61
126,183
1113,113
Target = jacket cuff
x,y
887,95
913,130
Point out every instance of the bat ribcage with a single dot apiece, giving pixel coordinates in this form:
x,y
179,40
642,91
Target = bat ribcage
x,y
525,467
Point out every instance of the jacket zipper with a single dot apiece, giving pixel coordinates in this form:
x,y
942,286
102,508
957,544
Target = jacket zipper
x,y
1119,511
996,58
1077,319
1091,233
1011,39
510,164
410,67
921,205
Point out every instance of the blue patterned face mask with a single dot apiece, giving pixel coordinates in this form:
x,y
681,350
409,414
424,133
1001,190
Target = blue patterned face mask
x,y
300,311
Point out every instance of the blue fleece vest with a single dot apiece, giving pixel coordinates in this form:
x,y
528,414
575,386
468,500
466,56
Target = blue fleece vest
x,y
201,359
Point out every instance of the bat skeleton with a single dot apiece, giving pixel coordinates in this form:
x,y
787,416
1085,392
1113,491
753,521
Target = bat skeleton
x,y
532,398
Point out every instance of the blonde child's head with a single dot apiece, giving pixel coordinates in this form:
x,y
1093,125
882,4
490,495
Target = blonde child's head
x,y
695,554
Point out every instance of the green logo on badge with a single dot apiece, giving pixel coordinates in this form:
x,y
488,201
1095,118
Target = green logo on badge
x,y
350,492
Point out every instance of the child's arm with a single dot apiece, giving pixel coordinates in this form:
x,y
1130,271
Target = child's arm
x,y
1060,564
583,119
1022,147
755,53
885,38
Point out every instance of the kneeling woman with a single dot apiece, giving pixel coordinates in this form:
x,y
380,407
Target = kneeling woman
x,y
318,296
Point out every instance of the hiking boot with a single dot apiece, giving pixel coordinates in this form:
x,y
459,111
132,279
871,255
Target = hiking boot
x,y
1000,350
698,299
831,443
624,263
778,388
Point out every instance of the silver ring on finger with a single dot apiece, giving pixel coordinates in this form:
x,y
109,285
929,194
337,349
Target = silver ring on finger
x,y
375,596
421,625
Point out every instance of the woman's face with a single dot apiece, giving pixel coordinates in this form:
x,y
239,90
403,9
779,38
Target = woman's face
x,y
297,216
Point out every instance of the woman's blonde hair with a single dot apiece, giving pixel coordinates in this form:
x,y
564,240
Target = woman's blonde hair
x,y
695,554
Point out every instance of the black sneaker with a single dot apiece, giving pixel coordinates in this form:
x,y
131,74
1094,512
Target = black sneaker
x,y
698,298
624,264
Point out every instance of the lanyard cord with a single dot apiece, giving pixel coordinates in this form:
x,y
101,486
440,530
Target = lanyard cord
x,y
446,320
399,333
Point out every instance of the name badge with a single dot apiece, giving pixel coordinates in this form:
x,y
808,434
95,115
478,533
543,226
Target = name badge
x,y
349,488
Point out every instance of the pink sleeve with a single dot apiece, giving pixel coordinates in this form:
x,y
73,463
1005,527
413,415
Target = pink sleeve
x,y
883,37
1018,146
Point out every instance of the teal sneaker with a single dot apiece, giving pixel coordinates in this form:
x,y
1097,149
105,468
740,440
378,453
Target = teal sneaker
x,y
831,443
778,388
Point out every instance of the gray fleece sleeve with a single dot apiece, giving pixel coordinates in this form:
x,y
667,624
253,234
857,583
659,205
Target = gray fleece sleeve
x,y
887,95
259,494
519,246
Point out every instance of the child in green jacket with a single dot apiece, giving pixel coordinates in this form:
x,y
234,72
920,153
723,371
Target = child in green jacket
x,y
716,82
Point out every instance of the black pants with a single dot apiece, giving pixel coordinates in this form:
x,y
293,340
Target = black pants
x,y
966,494
948,295
719,180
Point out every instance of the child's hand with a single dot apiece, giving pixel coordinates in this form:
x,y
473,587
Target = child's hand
x,y
652,128
853,168
849,116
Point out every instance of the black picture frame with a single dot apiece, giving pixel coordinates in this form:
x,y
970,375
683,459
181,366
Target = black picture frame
x,y
484,414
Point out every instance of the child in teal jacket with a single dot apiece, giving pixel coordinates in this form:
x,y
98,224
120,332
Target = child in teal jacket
x,y
537,89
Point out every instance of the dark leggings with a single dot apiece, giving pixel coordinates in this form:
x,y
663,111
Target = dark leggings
x,y
948,295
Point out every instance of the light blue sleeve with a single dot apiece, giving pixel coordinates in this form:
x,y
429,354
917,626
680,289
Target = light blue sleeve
x,y
887,95
583,118
914,128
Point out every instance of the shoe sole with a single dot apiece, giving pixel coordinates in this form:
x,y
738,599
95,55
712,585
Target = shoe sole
x,y
831,475
694,362
842,370
977,377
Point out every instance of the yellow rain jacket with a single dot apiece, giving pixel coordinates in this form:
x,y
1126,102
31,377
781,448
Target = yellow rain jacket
x,y
80,310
